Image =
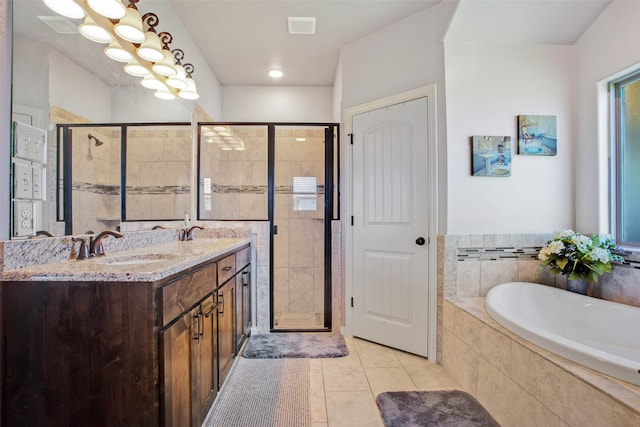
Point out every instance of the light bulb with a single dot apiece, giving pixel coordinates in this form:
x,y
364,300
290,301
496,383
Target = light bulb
x,y
94,32
117,53
112,9
130,27
135,69
151,48
67,8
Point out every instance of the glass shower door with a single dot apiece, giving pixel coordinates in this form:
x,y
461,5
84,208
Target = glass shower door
x,y
299,218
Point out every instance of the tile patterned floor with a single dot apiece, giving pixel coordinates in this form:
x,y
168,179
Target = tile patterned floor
x,y
343,390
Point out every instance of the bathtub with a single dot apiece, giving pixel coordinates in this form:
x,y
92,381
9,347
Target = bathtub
x,y
599,334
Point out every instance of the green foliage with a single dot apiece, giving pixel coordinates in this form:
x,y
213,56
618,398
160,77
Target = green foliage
x,y
578,256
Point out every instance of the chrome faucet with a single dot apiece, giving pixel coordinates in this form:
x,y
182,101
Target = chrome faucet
x,y
187,234
95,247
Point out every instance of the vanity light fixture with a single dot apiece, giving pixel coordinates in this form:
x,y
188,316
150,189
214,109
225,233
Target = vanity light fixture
x,y
112,9
147,54
150,82
190,93
67,8
130,26
134,68
94,32
117,53
163,93
166,66
151,48
275,74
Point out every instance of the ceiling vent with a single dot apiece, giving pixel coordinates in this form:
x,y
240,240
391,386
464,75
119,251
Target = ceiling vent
x,y
60,24
302,25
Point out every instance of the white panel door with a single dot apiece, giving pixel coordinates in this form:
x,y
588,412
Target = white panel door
x,y
390,226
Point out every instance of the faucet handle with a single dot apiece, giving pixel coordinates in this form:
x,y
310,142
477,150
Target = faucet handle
x,y
83,252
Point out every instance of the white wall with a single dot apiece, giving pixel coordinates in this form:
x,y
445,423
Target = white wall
x,y
31,75
403,56
206,81
609,47
313,104
139,105
488,86
78,90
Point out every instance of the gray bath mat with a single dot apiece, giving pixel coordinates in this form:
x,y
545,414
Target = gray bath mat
x,y
295,345
452,408
263,393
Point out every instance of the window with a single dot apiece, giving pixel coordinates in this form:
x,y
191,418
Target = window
x,y
625,203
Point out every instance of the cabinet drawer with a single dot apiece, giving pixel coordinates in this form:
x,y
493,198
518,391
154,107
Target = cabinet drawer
x,y
183,293
226,268
243,258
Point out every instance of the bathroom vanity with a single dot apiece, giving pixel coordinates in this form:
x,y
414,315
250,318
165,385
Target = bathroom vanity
x,y
138,338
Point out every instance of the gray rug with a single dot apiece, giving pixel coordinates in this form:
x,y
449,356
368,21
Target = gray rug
x,y
452,408
263,393
293,345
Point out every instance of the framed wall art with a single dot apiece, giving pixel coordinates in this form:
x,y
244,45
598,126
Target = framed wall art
x,y
537,135
491,156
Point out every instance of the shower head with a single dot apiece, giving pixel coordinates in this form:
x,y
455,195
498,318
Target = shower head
x,y
98,142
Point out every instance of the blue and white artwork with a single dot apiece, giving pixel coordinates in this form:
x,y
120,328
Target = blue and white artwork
x,y
491,156
537,135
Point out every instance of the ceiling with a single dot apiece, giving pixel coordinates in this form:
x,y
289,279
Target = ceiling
x,y
242,39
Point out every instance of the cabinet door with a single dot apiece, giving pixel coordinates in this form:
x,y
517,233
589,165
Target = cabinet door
x,y
177,347
204,379
246,300
225,329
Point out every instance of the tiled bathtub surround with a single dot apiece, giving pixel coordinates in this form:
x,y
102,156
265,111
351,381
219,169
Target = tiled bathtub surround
x,y
523,385
470,265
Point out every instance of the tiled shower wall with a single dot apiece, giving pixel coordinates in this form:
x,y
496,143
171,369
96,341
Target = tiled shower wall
x,y
238,177
159,161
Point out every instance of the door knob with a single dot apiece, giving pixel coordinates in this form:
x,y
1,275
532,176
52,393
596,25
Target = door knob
x,y
420,241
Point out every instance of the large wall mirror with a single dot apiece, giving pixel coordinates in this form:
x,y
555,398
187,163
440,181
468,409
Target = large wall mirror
x,y
59,77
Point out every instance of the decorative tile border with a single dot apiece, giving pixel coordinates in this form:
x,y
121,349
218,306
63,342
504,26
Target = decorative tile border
x,y
114,190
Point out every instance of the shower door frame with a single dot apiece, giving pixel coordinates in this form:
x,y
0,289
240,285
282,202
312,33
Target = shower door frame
x,y
331,209
64,167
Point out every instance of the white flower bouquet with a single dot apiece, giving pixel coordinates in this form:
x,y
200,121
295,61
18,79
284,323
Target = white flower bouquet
x,y
578,256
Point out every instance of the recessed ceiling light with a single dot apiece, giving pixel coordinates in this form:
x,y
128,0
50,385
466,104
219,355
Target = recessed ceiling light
x,y
276,74
301,139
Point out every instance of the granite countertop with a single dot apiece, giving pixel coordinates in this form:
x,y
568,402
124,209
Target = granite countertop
x,y
147,264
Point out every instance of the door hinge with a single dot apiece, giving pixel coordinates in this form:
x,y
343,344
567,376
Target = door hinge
x,y
352,220
351,138
351,301
275,230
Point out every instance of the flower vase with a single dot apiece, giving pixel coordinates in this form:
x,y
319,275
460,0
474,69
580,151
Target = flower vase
x,y
581,286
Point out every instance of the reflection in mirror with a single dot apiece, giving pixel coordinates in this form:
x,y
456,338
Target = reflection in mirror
x,y
233,172
92,195
65,78
157,175
158,172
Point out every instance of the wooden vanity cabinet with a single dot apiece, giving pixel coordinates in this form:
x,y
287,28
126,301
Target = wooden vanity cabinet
x,y
106,354
189,360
